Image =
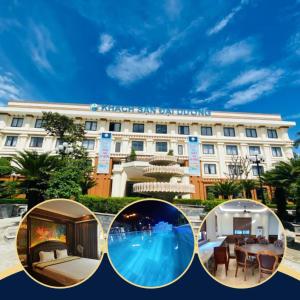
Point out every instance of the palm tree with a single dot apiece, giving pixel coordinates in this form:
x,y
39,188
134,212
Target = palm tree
x,y
35,170
227,189
248,185
284,176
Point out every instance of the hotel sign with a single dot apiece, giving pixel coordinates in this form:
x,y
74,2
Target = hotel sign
x,y
194,159
104,153
151,110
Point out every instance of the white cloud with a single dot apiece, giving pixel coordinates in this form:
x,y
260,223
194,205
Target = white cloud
x,y
255,91
223,23
214,96
250,76
204,81
106,43
8,88
173,8
129,68
294,44
40,45
241,51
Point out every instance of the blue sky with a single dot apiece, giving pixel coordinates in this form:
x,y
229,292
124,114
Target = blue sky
x,y
241,55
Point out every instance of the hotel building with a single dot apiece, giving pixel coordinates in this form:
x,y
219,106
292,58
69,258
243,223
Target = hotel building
x,y
152,131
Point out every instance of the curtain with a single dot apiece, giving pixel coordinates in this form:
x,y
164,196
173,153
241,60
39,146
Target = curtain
x,y
86,235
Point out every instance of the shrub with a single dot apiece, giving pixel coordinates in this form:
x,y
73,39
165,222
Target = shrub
x,y
13,201
110,205
210,204
188,201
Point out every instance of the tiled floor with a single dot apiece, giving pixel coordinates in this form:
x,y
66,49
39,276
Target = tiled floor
x,y
237,282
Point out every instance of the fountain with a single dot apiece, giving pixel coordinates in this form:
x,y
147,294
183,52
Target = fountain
x,y
162,169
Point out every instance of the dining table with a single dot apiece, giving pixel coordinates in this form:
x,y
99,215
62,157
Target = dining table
x,y
253,249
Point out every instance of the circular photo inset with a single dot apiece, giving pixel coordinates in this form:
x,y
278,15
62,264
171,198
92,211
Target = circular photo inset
x,y
60,243
241,243
150,243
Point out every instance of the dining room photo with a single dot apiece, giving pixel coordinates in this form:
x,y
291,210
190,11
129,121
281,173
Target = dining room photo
x,y
241,243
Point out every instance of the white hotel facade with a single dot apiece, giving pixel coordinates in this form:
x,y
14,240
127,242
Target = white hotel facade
x,y
152,132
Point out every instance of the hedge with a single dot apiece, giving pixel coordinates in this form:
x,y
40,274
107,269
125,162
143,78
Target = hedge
x,y
13,201
110,205
114,204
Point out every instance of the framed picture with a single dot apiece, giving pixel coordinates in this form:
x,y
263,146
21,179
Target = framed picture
x,y
42,231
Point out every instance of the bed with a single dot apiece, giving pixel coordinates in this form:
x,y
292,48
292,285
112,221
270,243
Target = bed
x,y
61,272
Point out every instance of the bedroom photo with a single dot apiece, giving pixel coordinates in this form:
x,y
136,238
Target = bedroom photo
x,y
60,243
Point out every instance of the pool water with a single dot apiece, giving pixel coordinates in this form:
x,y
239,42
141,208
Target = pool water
x,y
152,259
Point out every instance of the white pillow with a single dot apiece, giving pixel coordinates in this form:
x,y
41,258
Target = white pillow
x,y
61,253
46,256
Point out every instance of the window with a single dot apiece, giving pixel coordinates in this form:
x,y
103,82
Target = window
x,y
180,149
254,150
183,130
58,143
39,123
210,169
17,122
229,131
242,226
276,152
36,142
234,170
272,134
206,130
161,128
251,132
137,145
208,149
88,144
138,127
255,170
11,141
114,126
231,150
118,147
161,146
90,125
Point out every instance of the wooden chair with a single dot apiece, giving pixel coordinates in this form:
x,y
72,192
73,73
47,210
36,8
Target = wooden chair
x,y
242,260
250,241
263,241
267,263
220,258
229,253
278,243
241,242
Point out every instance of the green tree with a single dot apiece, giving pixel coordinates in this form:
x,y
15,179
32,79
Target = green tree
x,y
5,166
283,178
248,185
132,155
66,130
227,189
71,180
9,189
35,170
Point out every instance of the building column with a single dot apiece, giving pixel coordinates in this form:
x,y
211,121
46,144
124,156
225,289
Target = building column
x,y
267,156
221,158
22,141
119,178
150,147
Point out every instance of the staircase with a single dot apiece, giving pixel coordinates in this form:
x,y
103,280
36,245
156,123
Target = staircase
x,y
195,215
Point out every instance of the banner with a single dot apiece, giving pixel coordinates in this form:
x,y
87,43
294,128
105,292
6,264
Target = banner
x,y
104,153
194,159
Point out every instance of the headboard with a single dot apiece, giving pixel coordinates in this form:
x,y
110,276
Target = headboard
x,y
45,246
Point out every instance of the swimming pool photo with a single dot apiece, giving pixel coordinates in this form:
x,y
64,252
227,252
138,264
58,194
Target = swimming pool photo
x,y
150,243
